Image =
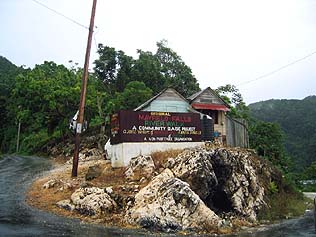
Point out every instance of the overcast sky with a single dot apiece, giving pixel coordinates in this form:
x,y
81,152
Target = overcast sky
x,y
222,41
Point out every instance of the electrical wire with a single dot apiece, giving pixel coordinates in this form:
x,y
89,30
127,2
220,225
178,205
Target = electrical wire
x,y
278,69
60,14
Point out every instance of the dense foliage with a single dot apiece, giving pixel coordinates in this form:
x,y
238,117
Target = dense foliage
x,y
268,140
157,71
297,120
43,99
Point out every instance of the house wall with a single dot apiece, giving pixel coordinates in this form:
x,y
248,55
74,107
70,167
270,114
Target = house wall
x,y
169,101
207,97
167,106
122,153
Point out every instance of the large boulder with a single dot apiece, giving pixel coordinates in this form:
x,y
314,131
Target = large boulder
x,y
140,166
168,204
226,179
93,172
194,166
239,187
92,201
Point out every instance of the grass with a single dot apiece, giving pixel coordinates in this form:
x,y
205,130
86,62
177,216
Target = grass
x,y
161,157
284,205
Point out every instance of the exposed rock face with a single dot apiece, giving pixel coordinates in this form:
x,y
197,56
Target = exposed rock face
x,y
225,178
168,204
194,167
238,182
92,201
194,191
140,166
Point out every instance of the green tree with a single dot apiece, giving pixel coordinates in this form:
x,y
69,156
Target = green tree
x,y
147,69
268,140
310,172
133,95
113,68
163,69
46,97
176,73
231,95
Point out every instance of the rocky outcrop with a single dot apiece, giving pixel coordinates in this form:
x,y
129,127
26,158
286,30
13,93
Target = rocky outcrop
x,y
224,178
92,201
239,184
140,166
168,204
194,166
202,189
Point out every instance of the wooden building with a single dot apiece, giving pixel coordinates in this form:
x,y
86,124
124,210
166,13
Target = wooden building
x,y
168,100
210,121
210,103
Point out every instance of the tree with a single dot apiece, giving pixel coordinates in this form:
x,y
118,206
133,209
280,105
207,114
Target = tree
x,y
113,68
46,97
158,71
231,95
147,69
8,72
133,95
176,73
268,140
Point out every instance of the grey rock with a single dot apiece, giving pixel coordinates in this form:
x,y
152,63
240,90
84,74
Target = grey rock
x,y
140,166
168,204
194,167
93,172
66,204
92,201
50,184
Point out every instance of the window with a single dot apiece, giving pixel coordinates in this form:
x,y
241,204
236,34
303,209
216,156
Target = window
x,y
212,113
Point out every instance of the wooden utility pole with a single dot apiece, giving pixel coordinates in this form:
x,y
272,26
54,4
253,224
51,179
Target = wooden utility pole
x,y
83,94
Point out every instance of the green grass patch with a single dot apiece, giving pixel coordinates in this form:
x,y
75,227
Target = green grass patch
x,y
283,205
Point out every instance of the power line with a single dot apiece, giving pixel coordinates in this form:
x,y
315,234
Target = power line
x,y
60,14
278,69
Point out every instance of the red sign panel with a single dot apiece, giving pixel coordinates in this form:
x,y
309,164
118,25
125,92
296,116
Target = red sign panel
x,y
141,126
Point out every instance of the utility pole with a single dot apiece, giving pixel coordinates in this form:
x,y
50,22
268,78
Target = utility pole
x,y
83,94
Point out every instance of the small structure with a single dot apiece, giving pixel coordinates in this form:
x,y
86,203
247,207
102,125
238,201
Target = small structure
x,y
168,121
210,103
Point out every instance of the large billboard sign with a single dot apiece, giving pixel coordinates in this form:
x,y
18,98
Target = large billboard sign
x,y
143,126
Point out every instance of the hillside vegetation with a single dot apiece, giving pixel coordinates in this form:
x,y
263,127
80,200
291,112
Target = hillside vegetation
x,y
297,120
43,99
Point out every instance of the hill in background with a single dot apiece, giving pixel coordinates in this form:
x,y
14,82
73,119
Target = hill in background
x,y
297,119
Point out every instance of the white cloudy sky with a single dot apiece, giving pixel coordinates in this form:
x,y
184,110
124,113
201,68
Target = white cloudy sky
x,y
223,41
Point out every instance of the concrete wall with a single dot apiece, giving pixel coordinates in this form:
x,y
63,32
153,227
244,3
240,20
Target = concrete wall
x,y
122,153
